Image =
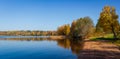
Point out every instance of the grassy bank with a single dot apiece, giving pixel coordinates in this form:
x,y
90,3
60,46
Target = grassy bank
x,y
108,38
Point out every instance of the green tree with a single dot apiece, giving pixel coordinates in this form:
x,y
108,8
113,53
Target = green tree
x,y
82,27
108,21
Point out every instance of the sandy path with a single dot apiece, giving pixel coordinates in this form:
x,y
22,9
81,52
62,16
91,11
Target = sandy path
x,y
99,50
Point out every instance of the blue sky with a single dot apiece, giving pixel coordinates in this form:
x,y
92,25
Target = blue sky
x,y
48,14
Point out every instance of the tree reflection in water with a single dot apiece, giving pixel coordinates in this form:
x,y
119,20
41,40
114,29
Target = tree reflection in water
x,y
27,39
74,45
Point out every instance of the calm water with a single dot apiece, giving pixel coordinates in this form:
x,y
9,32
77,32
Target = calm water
x,y
29,47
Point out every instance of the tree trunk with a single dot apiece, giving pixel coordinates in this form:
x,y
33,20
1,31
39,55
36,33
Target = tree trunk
x,y
114,33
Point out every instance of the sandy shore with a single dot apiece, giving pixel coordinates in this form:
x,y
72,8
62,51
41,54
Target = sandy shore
x,y
99,50
57,37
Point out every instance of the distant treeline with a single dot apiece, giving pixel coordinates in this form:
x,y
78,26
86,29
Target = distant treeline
x,y
28,33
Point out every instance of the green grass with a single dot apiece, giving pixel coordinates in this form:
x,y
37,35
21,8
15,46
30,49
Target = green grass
x,y
108,37
117,43
103,37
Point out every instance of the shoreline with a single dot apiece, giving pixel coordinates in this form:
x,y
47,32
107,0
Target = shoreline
x,y
99,49
46,37
57,37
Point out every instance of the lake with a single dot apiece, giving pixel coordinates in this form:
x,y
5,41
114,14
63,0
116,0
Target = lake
x,y
38,47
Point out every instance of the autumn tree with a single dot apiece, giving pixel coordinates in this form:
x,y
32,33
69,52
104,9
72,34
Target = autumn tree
x,y
73,29
108,21
64,30
60,30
